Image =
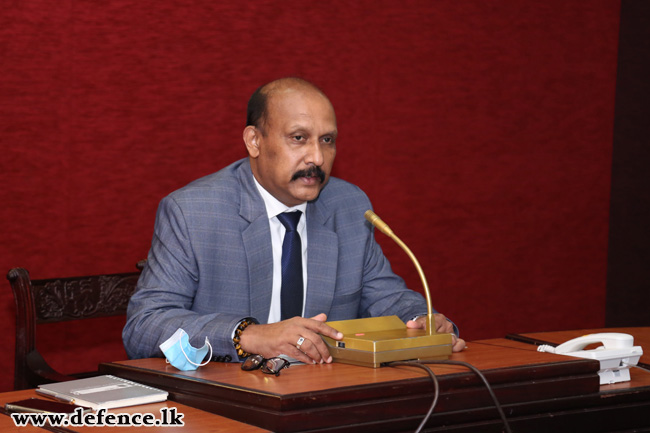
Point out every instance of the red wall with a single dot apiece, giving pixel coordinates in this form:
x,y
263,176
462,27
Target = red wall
x,y
482,131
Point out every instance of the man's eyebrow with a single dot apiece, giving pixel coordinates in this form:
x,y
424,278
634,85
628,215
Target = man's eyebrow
x,y
303,128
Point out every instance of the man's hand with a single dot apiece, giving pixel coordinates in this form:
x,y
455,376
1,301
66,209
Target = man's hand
x,y
443,326
282,338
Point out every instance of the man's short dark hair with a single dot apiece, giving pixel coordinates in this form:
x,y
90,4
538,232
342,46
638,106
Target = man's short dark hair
x,y
256,112
257,108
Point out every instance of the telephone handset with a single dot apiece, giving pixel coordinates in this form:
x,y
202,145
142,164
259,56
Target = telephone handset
x,y
609,340
616,355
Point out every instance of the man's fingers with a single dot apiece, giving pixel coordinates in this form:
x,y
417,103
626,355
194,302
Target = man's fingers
x,y
322,328
314,346
458,345
442,324
322,317
315,349
299,355
419,323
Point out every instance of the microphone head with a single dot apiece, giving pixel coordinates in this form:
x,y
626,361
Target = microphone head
x,y
374,219
371,216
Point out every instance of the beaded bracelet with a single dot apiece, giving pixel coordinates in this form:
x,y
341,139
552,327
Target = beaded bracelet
x,y
240,328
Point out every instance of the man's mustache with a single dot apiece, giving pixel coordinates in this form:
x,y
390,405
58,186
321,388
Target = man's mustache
x,y
312,171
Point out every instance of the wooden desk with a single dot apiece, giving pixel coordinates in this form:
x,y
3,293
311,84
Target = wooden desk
x,y
196,421
539,392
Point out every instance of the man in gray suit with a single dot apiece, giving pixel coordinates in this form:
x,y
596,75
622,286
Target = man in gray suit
x,y
215,260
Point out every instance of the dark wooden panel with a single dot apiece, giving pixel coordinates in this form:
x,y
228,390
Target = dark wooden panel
x,y
628,273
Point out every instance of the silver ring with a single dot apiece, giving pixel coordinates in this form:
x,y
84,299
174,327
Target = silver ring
x,y
300,341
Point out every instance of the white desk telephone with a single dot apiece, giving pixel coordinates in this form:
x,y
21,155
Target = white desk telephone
x,y
616,355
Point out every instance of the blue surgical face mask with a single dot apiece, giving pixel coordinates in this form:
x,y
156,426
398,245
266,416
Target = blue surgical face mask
x,y
181,354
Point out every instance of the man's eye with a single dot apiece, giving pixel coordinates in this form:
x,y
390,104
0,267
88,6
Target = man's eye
x,y
298,137
328,140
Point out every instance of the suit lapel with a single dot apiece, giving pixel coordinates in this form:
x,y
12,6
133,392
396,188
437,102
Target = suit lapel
x,y
322,259
322,252
257,245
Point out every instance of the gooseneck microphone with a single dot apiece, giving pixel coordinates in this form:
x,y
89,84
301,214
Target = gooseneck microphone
x,y
383,227
375,341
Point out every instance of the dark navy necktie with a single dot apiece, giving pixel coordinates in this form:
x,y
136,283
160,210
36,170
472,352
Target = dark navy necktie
x,y
292,284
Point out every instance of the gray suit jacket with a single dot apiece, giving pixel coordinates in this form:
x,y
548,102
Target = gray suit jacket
x,y
210,264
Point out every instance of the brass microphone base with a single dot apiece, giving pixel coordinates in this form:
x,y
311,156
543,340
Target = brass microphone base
x,y
373,341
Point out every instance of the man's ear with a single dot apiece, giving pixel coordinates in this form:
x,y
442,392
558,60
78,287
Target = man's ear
x,y
251,139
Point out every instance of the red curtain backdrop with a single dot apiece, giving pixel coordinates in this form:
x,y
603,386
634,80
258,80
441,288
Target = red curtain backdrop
x,y
481,131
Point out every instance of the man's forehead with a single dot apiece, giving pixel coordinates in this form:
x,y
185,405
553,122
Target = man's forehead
x,y
282,94
297,103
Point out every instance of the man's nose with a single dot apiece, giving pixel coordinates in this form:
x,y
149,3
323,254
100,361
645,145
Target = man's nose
x,y
314,154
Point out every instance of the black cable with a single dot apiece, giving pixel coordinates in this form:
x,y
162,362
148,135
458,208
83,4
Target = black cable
x,y
480,375
529,340
436,388
641,366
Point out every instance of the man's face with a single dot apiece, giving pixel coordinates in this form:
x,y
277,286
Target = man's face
x,y
292,157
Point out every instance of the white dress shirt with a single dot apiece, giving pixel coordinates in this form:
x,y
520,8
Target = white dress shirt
x,y
273,208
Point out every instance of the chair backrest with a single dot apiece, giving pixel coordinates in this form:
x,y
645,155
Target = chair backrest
x,y
59,300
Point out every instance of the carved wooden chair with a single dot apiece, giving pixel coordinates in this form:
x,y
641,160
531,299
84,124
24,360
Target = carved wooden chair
x,y
59,300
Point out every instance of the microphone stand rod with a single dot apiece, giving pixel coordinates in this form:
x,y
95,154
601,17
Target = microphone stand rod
x,y
383,227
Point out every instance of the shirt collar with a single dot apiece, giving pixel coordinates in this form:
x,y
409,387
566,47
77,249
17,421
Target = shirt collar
x,y
274,207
